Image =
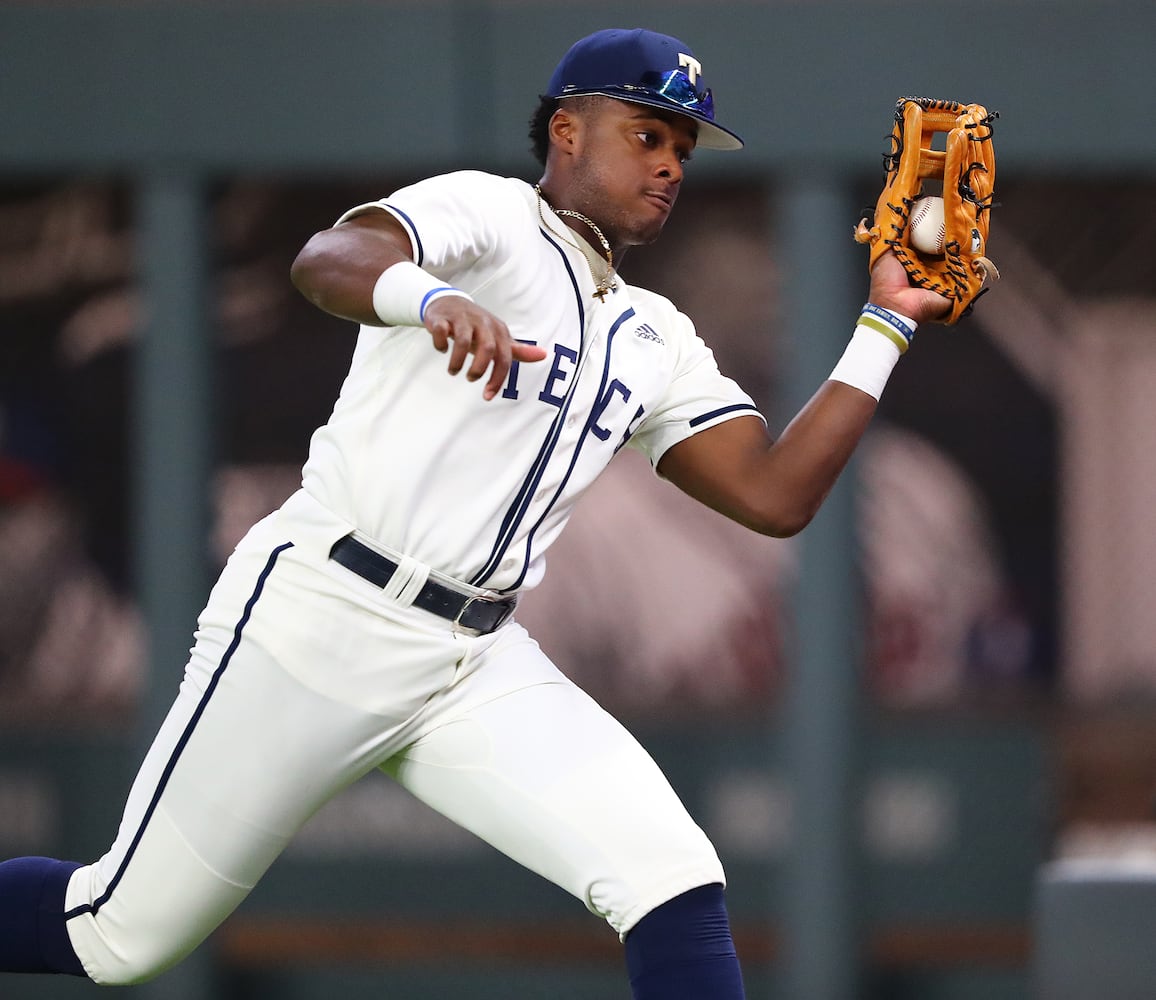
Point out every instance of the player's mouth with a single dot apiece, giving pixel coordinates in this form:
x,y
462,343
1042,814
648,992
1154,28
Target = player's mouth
x,y
664,201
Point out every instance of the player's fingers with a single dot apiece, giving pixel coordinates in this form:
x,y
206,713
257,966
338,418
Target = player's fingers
x,y
501,367
463,340
933,307
440,332
527,352
484,352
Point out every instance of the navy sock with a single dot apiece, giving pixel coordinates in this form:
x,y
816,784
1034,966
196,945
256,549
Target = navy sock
x,y
683,950
33,935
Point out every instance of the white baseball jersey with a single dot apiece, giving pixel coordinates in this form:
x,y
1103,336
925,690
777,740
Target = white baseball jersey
x,y
475,489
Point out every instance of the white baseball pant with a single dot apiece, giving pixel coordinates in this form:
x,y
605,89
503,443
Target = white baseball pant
x,y
303,678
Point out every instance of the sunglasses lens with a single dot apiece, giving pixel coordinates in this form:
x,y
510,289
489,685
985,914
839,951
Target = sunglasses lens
x,y
675,86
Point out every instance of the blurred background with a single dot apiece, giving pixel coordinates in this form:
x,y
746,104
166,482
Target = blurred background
x,y
891,726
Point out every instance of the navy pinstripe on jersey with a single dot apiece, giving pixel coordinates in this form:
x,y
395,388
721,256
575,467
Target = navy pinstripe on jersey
x,y
595,412
522,500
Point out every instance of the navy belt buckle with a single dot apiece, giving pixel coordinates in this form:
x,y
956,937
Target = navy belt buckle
x,y
507,609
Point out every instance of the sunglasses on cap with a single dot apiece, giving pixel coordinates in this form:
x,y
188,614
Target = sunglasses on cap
x,y
674,86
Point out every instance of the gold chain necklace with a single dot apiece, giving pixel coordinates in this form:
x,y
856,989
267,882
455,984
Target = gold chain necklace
x,y
607,282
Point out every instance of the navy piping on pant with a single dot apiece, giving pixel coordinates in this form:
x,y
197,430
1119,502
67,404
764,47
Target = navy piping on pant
x,y
96,904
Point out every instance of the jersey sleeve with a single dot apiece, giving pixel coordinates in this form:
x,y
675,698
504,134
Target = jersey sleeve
x,y
698,396
455,222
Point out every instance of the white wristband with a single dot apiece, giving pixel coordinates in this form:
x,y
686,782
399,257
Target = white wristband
x,y
874,349
403,292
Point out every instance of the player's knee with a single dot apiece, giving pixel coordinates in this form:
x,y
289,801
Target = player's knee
x,y
686,862
127,951
130,965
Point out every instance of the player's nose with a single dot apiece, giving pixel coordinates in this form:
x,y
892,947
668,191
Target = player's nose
x,y
670,168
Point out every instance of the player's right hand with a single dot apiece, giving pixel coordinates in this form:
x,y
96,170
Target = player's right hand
x,y
477,331
892,289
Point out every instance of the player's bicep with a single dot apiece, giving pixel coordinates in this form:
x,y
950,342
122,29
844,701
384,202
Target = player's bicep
x,y
773,487
378,224
336,270
719,467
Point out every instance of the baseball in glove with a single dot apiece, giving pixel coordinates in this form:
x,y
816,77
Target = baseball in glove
x,y
962,173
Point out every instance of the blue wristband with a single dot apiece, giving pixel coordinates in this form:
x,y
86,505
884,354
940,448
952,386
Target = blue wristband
x,y
437,293
897,328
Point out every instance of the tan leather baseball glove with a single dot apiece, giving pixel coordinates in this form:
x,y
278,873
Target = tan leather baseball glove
x,y
962,173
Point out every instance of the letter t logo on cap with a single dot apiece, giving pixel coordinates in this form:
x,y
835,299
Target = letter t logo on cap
x,y
693,66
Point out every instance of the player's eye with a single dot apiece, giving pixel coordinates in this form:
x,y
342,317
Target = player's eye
x,y
652,140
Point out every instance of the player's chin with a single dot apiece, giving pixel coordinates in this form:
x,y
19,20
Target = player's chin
x,y
647,231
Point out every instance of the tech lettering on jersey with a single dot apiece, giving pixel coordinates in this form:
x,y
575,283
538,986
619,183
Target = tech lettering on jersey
x,y
631,427
563,367
615,387
560,372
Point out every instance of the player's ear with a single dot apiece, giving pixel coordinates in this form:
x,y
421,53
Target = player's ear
x,y
563,128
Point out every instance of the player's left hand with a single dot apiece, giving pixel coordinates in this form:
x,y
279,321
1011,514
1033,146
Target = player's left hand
x,y
891,289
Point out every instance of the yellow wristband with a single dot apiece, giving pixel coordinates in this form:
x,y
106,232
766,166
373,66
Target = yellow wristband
x,y
868,361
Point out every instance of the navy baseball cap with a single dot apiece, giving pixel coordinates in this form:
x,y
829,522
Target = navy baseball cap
x,y
642,67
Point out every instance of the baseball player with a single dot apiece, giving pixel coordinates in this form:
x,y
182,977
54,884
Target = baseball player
x,y
369,623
